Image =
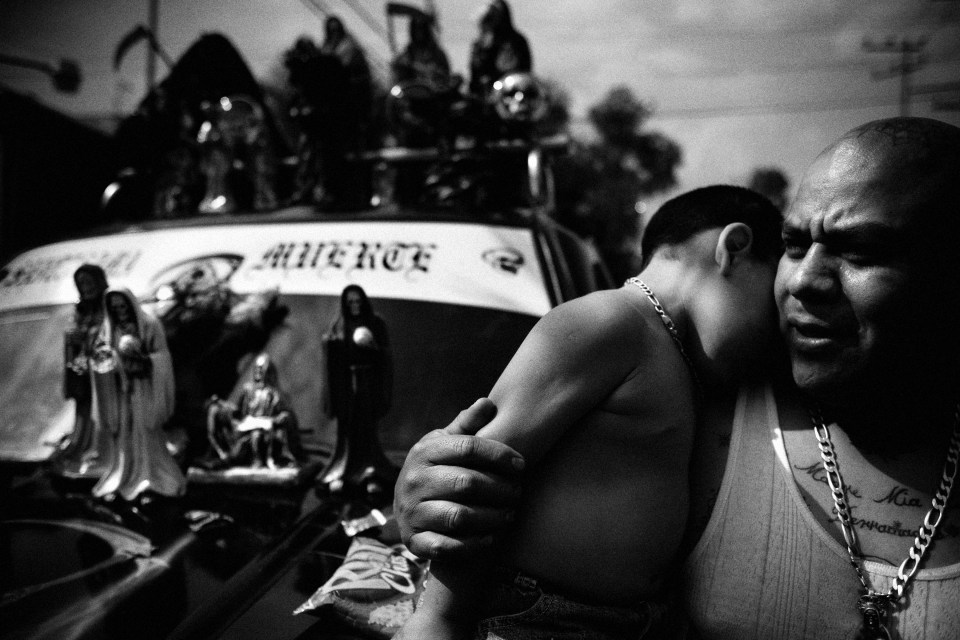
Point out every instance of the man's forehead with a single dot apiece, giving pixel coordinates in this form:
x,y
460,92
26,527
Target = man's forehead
x,y
827,189
852,184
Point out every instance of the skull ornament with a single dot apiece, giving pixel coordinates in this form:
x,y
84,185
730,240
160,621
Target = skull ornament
x,y
519,97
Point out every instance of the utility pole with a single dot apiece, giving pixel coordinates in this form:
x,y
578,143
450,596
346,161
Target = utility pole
x,y
945,95
153,23
911,59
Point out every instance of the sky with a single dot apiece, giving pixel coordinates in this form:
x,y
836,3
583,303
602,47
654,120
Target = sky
x,y
739,84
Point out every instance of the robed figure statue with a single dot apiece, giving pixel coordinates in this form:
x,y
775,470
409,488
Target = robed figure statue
x,y
360,379
134,387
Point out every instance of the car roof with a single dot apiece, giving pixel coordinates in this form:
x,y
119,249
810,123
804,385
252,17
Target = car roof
x,y
303,213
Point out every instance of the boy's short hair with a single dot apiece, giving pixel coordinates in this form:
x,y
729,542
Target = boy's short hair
x,y
709,207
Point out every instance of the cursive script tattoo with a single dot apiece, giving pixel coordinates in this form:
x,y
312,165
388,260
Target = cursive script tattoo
x,y
817,473
895,528
900,496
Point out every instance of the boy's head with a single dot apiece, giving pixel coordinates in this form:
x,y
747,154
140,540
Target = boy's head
x,y
727,242
683,217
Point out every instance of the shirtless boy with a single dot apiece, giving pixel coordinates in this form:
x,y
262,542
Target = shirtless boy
x,y
600,400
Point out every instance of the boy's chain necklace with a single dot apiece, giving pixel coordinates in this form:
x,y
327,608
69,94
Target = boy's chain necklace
x,y
671,329
874,605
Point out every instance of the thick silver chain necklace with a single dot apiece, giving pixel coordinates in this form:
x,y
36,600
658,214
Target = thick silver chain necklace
x,y
671,329
873,605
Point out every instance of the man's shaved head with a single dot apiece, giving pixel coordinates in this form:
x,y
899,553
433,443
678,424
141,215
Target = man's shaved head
x,y
904,155
869,285
913,163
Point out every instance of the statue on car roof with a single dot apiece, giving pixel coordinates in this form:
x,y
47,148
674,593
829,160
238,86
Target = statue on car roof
x,y
499,48
423,59
333,107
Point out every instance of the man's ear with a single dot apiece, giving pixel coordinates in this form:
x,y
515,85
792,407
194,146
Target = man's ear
x,y
733,244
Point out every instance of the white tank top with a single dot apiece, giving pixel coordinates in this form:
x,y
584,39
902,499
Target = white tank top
x,y
766,569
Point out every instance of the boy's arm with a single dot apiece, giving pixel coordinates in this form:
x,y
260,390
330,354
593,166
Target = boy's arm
x,y
573,358
571,361
450,605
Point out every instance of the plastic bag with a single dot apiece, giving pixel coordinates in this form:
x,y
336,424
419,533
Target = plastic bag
x,y
375,590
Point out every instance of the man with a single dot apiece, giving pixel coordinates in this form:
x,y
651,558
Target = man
x,y
868,291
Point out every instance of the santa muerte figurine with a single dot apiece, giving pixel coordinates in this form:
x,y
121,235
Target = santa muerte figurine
x,y
499,48
134,390
83,451
360,379
259,430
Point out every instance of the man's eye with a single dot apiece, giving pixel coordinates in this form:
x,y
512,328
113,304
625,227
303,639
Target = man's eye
x,y
794,249
861,256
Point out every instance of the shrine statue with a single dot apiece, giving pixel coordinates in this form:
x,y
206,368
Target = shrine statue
x,y
134,390
360,379
423,60
259,430
87,445
499,49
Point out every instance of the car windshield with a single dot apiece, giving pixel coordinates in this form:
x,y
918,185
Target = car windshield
x,y
453,318
444,357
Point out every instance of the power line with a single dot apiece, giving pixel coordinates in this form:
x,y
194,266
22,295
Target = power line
x,y
314,9
713,32
322,11
911,59
781,69
772,108
369,20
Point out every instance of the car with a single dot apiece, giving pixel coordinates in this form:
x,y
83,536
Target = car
x,y
457,289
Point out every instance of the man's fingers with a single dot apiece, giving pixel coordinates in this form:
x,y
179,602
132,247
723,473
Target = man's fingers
x,y
439,448
469,486
453,530
473,418
433,546
419,492
455,489
455,445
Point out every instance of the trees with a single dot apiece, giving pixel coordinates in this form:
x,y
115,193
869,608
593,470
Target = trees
x,y
771,182
599,183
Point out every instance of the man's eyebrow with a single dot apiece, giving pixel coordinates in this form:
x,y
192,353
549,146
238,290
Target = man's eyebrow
x,y
869,231
861,232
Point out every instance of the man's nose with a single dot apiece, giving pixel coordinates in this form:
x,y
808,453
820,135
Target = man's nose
x,y
815,276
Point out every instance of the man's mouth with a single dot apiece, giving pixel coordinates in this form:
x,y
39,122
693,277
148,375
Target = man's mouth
x,y
809,335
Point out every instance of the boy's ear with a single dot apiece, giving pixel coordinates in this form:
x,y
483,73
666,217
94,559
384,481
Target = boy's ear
x,y
733,244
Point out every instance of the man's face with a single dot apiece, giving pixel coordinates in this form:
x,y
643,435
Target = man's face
x,y
854,286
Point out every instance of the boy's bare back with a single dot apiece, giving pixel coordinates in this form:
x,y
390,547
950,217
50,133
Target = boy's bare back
x,y
601,401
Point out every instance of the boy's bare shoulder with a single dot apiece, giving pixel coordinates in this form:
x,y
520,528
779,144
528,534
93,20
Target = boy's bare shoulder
x,y
610,306
613,316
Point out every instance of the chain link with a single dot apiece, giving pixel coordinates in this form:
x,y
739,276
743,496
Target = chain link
x,y
931,520
671,329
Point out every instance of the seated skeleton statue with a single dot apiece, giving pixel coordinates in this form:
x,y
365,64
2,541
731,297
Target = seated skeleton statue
x,y
259,430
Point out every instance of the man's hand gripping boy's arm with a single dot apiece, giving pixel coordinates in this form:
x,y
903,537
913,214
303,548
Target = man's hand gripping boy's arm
x,y
569,363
